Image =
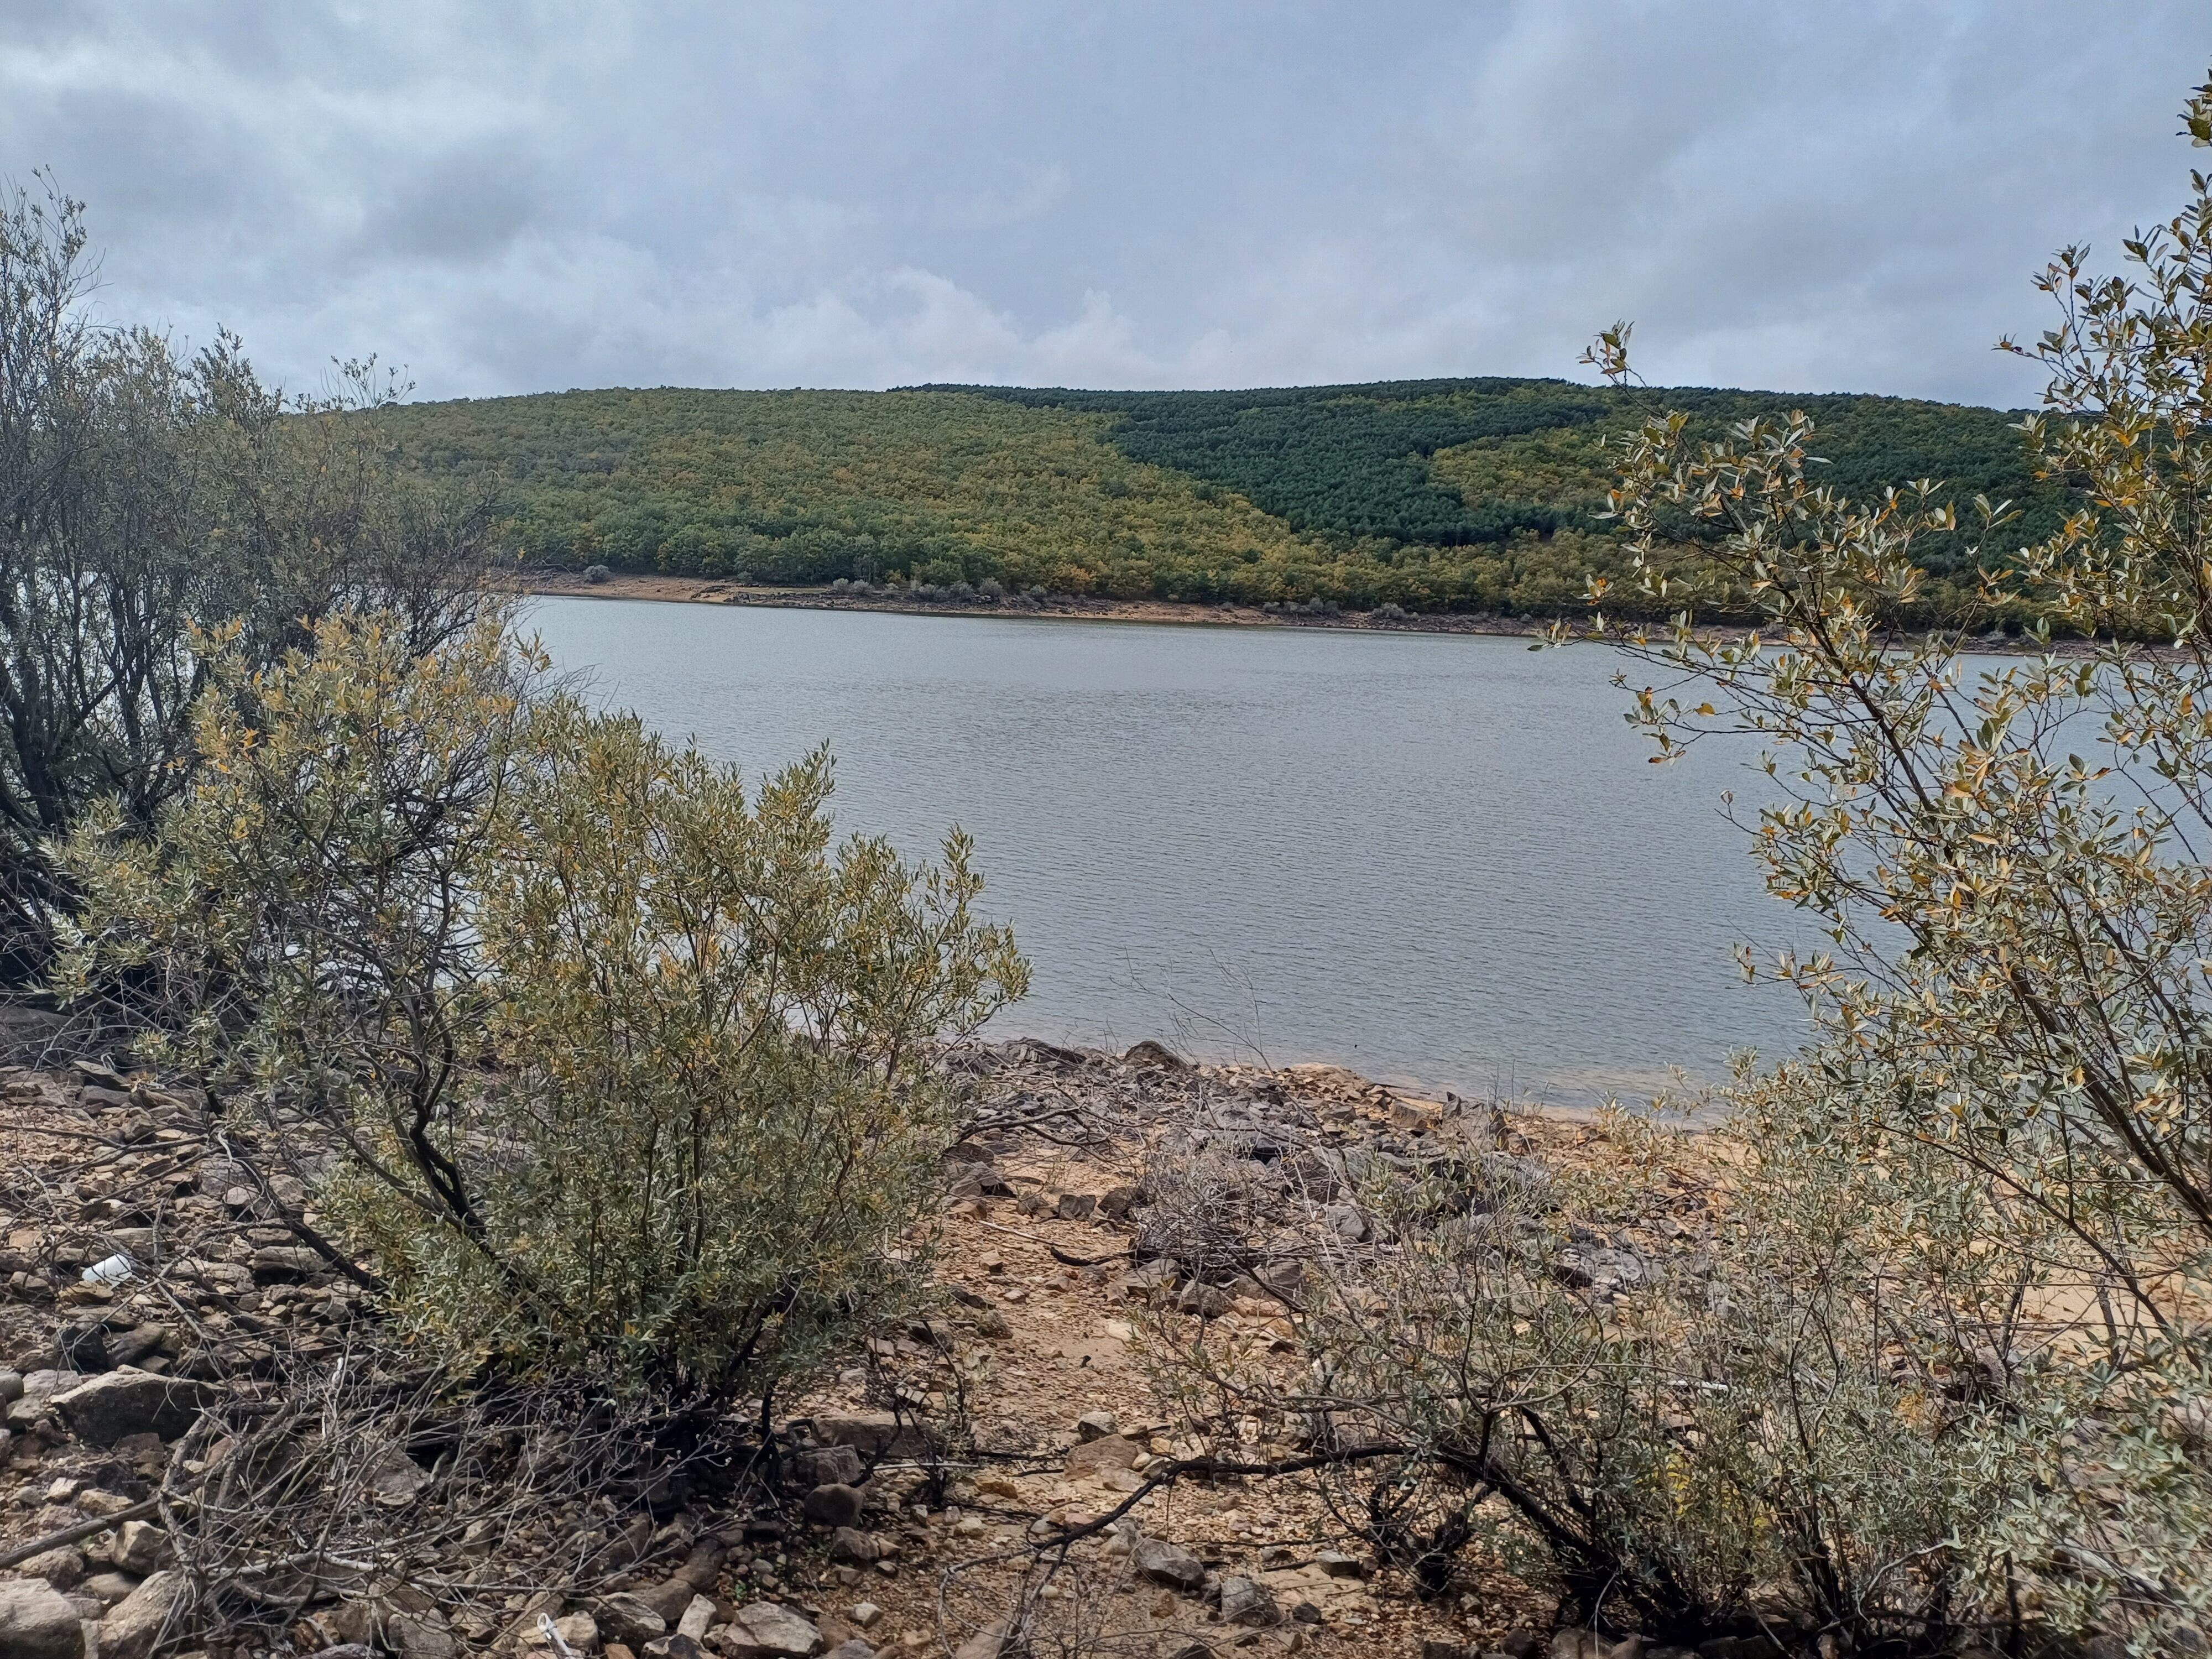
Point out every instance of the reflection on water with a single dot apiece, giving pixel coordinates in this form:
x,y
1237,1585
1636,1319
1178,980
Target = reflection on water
x,y
1436,859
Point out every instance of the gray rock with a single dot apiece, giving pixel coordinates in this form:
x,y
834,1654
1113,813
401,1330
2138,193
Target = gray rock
x,y
397,1480
107,1407
83,1346
1520,1179
359,1622
1347,1222
1149,1278
140,1548
1249,1601
62,1568
1115,1202
1156,1056
36,1623
989,1642
978,1180
829,1465
630,1619
1337,1565
1076,1206
855,1648
134,1347
1575,1643
630,1543
1284,1281
418,1638
579,1630
670,1598
1107,1451
857,1548
286,1264
834,1505
130,1630
698,1618
705,1561
1716,1647
11,1386
1605,1270
110,1588
1163,1563
1093,1425
765,1630
1207,1301
872,1434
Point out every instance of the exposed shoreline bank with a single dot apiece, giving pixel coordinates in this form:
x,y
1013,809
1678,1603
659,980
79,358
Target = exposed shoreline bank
x,y
699,590
695,590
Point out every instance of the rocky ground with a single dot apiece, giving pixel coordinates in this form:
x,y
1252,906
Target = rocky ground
x,y
195,1395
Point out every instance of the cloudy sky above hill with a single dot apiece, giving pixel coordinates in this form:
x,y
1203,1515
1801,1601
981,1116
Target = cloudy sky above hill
x,y
527,196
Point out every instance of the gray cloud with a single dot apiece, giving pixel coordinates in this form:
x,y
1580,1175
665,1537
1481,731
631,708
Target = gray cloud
x,y
513,198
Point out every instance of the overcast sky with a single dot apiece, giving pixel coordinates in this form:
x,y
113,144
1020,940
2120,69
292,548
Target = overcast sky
x,y
529,196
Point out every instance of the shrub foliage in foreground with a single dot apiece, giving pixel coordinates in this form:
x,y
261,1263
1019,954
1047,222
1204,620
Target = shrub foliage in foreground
x,y
628,1059
1942,1377
142,492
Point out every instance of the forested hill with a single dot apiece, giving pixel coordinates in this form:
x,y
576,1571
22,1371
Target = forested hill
x,y
1464,494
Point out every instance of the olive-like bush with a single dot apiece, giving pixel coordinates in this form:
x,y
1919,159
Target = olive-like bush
x,y
630,1061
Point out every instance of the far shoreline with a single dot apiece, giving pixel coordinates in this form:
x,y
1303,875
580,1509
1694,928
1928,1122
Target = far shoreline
x,y
702,590
699,590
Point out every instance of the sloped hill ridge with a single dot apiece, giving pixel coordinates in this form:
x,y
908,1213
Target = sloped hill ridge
x,y
1475,494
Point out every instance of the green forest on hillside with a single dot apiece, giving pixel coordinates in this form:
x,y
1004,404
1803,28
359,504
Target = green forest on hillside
x,y
1464,494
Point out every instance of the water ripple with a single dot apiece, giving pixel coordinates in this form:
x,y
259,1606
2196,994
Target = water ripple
x,y
1440,860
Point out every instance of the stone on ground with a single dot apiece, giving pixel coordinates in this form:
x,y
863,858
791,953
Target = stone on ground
x,y
62,1568
629,1619
1171,1565
141,1618
872,1434
697,1619
140,1548
765,1630
857,1548
1249,1601
1338,1564
579,1630
105,1408
987,1643
827,1466
1109,1451
834,1505
36,1623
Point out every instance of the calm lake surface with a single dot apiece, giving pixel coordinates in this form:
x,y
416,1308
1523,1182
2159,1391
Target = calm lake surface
x,y
1437,859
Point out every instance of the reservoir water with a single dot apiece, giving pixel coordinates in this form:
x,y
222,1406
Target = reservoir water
x,y
1437,859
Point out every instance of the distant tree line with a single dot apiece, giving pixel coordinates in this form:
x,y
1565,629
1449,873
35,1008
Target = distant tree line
x,y
1452,495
